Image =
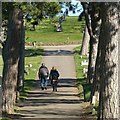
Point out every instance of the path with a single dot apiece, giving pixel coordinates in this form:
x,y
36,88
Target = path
x,y
62,104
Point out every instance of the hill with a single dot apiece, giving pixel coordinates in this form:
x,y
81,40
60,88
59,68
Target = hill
x,y
45,32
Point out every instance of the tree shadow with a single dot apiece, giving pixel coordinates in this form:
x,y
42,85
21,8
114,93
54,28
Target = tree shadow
x,y
57,53
81,82
13,116
30,52
30,83
62,82
47,97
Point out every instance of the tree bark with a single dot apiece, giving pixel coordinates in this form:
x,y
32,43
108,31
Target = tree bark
x,y
20,82
109,97
119,62
85,42
11,53
93,25
93,74
96,80
88,24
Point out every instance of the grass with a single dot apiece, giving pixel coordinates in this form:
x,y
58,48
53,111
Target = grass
x,y
33,56
45,33
84,89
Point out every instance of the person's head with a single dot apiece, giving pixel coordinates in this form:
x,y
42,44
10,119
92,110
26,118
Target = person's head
x,y
53,68
43,64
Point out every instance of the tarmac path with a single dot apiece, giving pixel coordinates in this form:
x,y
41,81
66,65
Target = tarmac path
x,y
63,104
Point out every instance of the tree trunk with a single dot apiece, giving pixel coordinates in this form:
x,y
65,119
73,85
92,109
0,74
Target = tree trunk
x,y
96,81
109,97
11,53
93,73
88,24
95,24
85,42
20,82
119,63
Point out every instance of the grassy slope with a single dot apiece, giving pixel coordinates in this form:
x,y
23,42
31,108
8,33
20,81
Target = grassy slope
x,y
45,32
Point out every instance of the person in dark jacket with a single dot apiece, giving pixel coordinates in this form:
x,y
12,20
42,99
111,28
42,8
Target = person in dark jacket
x,y
54,74
43,75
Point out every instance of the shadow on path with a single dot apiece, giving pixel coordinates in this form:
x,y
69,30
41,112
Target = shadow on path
x,y
38,97
57,53
63,103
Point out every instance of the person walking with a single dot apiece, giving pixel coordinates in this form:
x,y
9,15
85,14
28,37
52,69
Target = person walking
x,y
54,74
43,75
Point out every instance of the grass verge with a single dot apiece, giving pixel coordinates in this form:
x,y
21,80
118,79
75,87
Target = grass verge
x,y
33,56
84,89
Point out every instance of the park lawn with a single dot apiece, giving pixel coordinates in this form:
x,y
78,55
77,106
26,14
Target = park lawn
x,y
54,37
45,33
33,57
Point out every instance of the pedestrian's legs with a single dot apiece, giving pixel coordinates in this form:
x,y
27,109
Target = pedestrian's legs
x,y
55,85
42,83
45,82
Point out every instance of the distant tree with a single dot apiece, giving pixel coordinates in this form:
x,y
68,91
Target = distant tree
x,y
36,11
51,8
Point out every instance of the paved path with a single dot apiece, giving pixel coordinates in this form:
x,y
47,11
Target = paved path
x,y
62,104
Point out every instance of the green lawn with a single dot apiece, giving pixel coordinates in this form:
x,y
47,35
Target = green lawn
x,y
33,56
84,89
45,32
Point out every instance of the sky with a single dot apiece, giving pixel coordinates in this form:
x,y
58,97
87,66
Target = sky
x,y
78,8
